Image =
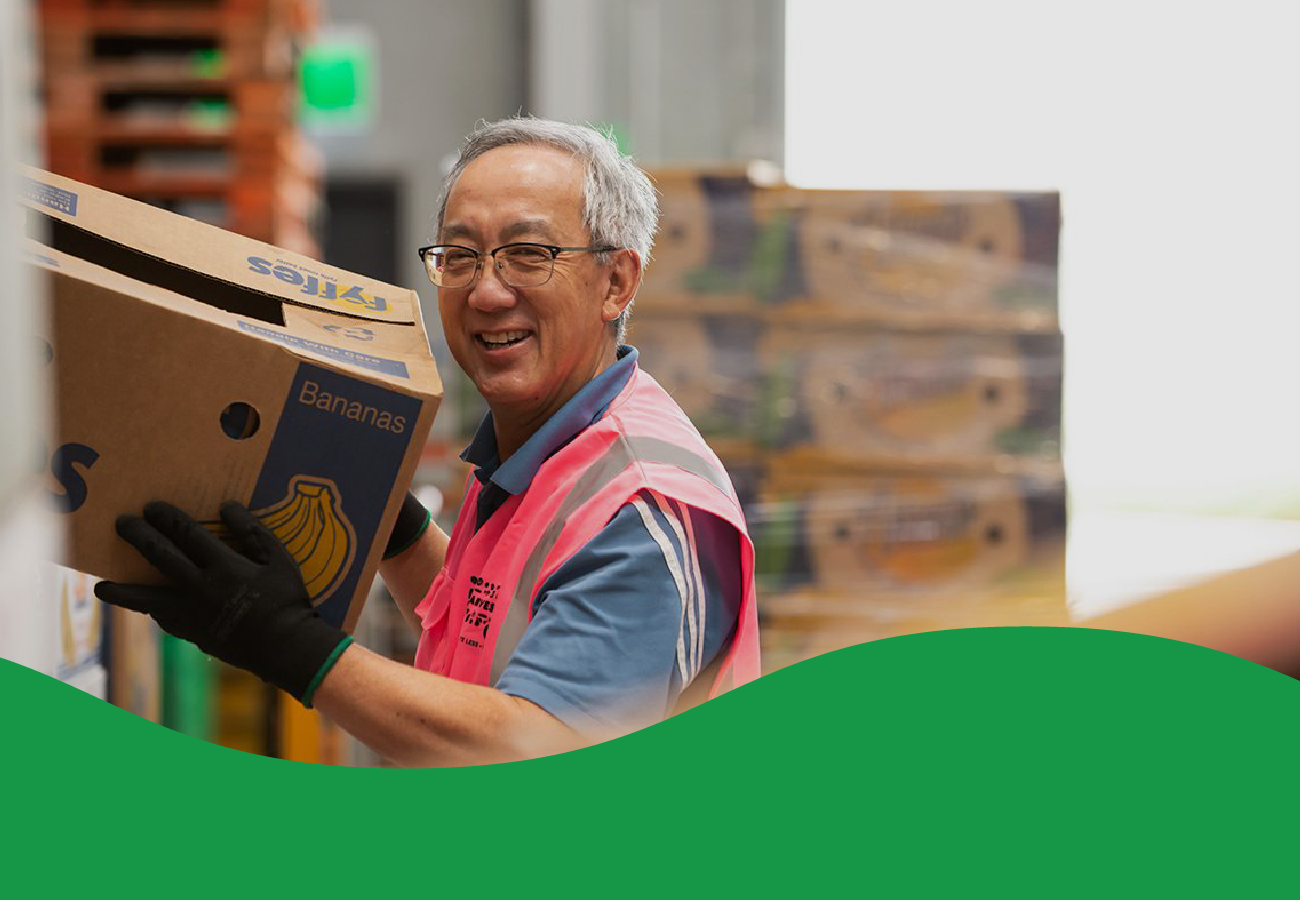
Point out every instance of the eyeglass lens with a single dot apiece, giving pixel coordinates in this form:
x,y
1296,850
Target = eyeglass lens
x,y
520,266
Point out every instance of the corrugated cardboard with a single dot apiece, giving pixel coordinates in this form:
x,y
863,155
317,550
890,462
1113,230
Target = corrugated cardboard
x,y
195,365
919,396
890,538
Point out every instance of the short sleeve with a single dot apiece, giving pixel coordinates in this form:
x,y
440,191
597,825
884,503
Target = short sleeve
x,y
631,619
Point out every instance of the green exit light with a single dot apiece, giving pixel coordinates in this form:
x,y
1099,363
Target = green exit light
x,y
336,82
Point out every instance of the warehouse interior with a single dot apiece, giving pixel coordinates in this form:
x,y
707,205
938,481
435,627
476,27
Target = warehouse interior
x,y
984,331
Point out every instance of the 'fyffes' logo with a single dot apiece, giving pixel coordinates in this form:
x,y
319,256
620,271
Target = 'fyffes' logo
x,y
316,286
311,525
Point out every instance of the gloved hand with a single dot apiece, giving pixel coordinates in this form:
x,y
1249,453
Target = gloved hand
x,y
248,608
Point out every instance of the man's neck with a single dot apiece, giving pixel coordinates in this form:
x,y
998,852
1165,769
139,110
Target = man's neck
x,y
514,425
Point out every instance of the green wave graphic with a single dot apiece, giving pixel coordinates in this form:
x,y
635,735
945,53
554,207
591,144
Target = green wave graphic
x,y
1029,761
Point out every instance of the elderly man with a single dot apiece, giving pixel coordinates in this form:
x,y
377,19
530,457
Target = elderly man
x,y
598,575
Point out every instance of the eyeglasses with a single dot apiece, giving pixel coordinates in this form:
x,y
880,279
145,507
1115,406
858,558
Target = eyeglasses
x,y
520,265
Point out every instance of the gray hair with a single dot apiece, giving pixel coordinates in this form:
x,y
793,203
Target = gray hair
x,y
619,204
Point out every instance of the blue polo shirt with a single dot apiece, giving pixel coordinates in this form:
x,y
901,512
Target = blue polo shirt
x,y
625,625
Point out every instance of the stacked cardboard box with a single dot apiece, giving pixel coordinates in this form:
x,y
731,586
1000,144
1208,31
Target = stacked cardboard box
x,y
881,371
189,106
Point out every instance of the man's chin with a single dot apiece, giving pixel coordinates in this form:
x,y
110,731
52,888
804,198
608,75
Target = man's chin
x,y
505,393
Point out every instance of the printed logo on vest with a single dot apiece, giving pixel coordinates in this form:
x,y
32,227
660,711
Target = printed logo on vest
x,y
479,607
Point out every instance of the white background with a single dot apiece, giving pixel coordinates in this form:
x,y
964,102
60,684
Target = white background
x,y
1169,129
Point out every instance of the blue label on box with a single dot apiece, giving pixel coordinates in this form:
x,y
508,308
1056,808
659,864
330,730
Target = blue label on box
x,y
48,195
340,354
328,473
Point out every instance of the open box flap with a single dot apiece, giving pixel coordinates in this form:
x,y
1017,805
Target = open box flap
x,y
214,252
392,352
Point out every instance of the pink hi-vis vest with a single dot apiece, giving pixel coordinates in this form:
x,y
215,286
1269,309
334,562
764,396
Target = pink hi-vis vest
x,y
483,598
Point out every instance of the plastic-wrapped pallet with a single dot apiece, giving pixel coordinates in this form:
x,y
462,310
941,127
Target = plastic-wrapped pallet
x,y
881,536
922,258
725,242
709,364
937,396
849,556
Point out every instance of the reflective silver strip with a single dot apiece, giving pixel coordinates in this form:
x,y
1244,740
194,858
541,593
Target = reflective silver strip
x,y
679,579
622,453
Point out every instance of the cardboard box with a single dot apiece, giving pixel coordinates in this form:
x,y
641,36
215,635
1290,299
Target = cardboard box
x,y
936,396
909,539
726,242
797,626
709,364
983,259
196,366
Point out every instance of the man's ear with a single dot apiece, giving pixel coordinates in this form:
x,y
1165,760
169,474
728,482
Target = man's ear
x,y
624,279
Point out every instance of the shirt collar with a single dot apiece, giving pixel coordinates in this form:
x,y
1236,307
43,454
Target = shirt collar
x,y
583,408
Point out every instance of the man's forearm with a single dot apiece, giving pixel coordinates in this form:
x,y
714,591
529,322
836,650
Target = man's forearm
x,y
409,575
415,718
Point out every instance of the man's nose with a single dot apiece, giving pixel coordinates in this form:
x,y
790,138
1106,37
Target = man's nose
x,y
490,292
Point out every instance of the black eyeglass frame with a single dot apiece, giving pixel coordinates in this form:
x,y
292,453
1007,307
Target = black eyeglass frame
x,y
479,256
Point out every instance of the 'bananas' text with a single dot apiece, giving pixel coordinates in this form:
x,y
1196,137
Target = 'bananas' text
x,y
312,395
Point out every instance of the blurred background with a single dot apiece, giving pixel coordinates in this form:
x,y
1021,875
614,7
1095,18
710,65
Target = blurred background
x,y
987,308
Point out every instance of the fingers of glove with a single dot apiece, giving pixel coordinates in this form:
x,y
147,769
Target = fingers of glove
x,y
158,549
149,599
258,541
191,538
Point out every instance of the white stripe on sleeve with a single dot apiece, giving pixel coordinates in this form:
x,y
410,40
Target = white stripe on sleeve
x,y
675,568
701,601
694,586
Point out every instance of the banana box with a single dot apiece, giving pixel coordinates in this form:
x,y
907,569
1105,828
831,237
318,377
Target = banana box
x,y
913,395
195,366
725,243
969,258
910,539
708,364
798,626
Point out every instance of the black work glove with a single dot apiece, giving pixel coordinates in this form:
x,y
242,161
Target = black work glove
x,y
247,608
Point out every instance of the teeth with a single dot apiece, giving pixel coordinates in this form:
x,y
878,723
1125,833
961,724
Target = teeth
x,y
503,337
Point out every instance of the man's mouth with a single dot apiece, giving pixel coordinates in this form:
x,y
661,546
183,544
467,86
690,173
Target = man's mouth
x,y
494,340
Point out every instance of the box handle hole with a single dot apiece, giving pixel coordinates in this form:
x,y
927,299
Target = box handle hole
x,y
239,421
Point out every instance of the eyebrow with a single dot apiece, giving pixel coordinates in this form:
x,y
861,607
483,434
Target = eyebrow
x,y
451,233
522,228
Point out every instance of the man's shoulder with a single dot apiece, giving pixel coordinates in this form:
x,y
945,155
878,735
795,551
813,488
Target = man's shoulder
x,y
651,427
653,536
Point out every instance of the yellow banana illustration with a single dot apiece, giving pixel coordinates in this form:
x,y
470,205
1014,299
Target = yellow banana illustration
x,y
311,525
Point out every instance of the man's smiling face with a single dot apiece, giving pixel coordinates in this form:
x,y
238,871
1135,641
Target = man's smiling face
x,y
527,350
